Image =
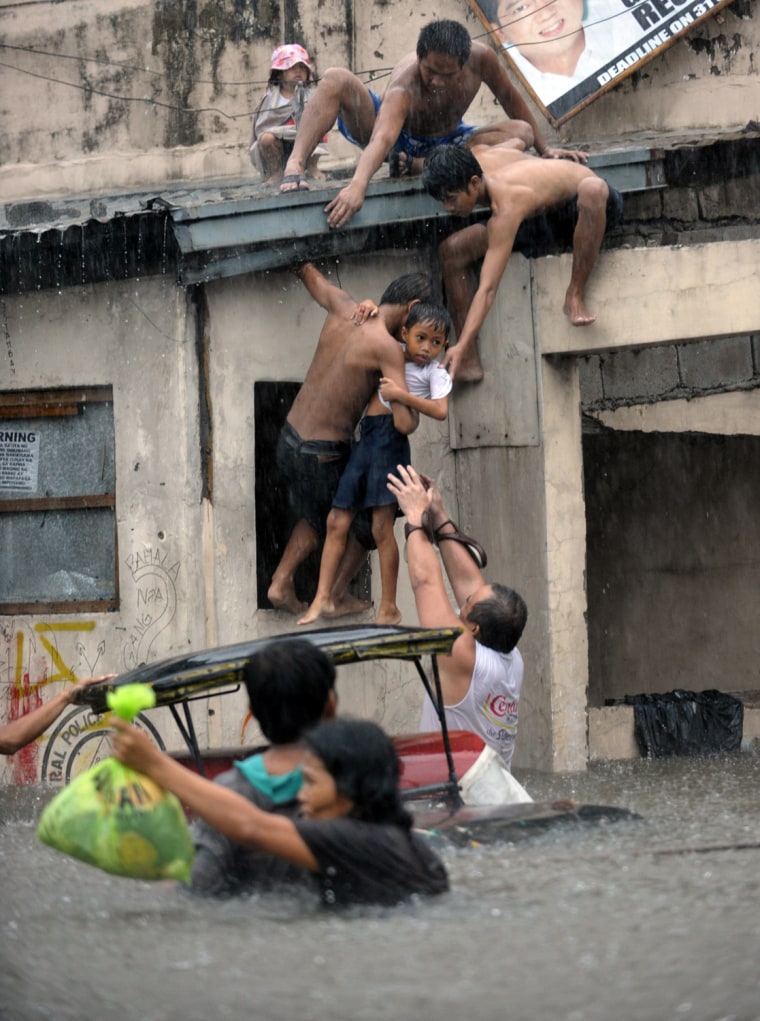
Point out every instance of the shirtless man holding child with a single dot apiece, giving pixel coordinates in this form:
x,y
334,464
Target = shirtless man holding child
x,y
315,442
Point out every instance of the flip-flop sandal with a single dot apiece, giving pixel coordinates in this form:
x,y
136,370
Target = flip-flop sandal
x,y
299,180
472,546
397,168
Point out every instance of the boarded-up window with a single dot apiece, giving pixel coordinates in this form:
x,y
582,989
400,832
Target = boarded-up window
x,y
57,501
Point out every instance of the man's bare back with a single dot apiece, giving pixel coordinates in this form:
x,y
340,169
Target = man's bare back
x,y
346,366
521,184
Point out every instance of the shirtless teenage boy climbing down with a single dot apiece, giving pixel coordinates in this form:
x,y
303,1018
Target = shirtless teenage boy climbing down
x,y
516,186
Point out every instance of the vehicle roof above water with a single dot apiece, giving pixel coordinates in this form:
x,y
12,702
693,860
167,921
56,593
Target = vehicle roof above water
x,y
180,677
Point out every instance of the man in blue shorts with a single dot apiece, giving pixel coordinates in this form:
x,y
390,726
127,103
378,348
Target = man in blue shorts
x,y
427,95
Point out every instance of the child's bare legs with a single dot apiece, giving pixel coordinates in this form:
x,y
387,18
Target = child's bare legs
x,y
343,601
387,550
273,155
338,524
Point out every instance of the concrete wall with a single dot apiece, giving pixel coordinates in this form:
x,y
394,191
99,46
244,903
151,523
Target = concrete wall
x,y
136,337
129,93
102,122
187,565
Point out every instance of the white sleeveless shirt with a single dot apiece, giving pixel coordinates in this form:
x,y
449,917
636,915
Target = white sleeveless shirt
x,y
490,706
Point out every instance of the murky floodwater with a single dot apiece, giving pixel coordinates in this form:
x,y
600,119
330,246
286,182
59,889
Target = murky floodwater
x,y
584,925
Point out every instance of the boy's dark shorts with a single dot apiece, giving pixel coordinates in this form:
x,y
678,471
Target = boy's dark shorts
x,y
381,448
553,230
311,478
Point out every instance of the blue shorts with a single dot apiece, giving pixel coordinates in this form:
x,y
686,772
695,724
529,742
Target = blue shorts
x,y
413,145
379,450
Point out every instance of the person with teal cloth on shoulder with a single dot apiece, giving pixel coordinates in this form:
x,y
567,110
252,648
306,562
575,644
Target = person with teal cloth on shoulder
x,y
352,837
291,687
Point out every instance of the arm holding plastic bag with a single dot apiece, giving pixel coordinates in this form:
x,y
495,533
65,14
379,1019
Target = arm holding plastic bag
x,y
225,810
117,819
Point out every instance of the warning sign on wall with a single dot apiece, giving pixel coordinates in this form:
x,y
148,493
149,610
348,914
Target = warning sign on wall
x,y
19,459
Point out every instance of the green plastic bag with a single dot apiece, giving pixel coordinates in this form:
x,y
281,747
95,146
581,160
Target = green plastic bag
x,y
117,819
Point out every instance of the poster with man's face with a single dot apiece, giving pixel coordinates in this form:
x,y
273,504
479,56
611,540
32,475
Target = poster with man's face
x,y
568,52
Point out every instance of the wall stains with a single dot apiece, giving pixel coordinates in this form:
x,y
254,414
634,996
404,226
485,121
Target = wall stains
x,y
721,51
174,27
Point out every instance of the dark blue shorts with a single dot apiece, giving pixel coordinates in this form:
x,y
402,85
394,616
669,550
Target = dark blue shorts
x,y
413,145
614,208
379,450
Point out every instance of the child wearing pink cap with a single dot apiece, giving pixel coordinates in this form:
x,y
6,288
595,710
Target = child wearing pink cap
x,y
290,86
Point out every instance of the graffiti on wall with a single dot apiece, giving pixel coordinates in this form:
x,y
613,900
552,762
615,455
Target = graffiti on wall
x,y
155,578
36,656
32,660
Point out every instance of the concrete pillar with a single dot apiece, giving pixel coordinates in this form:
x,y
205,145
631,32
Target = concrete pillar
x,y
565,533
518,480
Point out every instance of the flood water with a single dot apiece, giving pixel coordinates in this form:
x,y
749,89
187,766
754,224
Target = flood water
x,y
637,921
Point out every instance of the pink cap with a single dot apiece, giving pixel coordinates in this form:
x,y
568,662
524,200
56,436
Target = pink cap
x,y
288,55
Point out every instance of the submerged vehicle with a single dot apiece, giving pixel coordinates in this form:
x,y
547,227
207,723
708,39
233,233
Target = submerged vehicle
x,y
453,782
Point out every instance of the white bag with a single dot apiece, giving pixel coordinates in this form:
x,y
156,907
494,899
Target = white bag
x,y
489,782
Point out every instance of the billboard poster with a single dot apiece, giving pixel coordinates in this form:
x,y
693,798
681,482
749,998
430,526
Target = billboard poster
x,y
568,52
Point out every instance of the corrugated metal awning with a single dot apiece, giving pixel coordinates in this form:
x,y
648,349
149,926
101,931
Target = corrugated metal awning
x,y
264,232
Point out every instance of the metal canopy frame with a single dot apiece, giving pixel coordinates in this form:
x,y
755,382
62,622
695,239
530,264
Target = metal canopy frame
x,y
184,679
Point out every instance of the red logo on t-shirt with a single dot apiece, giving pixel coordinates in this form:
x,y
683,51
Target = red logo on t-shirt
x,y
500,707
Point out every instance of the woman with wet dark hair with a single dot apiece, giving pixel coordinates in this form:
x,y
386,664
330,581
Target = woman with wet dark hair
x,y
353,834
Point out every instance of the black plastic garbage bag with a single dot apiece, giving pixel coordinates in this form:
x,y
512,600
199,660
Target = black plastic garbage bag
x,y
686,723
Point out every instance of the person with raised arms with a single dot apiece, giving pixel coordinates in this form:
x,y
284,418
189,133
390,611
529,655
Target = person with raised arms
x,y
482,678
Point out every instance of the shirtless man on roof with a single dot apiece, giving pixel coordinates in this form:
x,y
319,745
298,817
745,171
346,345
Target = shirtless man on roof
x,y
428,94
